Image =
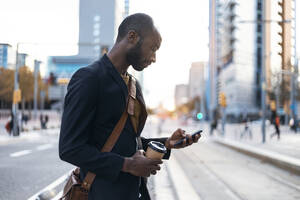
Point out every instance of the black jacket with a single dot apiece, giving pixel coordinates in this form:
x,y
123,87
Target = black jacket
x,y
94,103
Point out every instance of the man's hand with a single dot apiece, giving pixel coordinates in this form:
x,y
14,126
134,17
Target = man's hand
x,y
139,165
178,135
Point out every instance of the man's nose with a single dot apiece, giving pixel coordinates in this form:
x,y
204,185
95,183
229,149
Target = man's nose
x,y
153,58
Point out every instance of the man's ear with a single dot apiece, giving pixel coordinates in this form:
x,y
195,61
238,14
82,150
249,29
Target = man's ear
x,y
133,37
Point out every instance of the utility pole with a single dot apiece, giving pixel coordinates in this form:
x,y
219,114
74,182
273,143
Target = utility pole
x,y
16,97
263,77
36,72
295,70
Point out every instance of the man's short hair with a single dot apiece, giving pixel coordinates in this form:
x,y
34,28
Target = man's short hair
x,y
139,22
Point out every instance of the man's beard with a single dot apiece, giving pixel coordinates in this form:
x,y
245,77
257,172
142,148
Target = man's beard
x,y
134,56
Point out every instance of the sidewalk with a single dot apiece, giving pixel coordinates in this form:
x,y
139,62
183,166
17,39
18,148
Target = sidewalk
x,y
171,181
31,130
283,153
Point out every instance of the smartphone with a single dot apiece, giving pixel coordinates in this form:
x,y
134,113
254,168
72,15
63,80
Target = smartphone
x,y
180,142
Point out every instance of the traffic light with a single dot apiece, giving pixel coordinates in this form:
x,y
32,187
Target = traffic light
x,y
222,99
199,115
273,105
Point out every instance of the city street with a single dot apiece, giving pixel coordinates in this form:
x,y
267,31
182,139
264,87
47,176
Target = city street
x,y
217,172
29,164
73,69
207,170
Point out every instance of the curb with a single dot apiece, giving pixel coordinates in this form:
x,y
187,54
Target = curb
x,y
182,186
285,162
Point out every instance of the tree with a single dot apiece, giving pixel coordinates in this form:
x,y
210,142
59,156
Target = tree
x,y
26,83
6,84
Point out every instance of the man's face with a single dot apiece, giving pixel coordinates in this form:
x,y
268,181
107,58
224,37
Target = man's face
x,y
144,52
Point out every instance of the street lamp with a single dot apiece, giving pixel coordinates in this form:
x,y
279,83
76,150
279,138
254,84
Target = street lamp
x,y
16,98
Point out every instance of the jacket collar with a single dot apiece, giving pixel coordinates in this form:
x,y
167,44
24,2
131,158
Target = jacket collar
x,y
139,95
116,76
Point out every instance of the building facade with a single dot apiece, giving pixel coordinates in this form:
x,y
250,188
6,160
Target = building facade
x,y
98,28
250,51
196,80
181,94
237,55
7,56
238,73
197,87
22,59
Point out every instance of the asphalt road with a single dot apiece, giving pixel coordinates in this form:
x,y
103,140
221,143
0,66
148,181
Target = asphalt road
x,y
213,171
29,165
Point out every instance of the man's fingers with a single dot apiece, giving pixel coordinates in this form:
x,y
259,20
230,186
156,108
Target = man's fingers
x,y
153,172
197,138
141,152
155,162
181,132
156,167
190,140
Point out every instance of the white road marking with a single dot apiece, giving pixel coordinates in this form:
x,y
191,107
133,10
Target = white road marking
x,y
53,185
20,153
58,196
44,147
182,185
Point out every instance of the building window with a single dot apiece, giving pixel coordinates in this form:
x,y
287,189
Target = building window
x,y
97,18
259,17
96,25
258,40
96,32
259,28
259,5
97,40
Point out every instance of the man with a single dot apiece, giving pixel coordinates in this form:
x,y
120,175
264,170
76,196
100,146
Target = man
x,y
276,126
94,103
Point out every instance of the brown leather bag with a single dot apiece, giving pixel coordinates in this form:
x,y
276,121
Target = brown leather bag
x,y
75,189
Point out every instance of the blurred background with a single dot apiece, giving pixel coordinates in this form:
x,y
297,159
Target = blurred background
x,y
225,66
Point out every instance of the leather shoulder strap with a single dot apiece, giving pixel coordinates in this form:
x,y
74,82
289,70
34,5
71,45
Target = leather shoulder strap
x,y
112,139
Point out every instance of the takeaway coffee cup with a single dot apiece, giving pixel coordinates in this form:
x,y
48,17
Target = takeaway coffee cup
x,y
155,150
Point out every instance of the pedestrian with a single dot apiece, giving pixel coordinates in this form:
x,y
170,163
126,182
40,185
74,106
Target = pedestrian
x,y
46,121
95,101
214,122
247,129
293,124
277,128
42,121
10,124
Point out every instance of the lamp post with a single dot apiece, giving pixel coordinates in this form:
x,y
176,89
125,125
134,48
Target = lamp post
x,y
263,77
16,97
35,92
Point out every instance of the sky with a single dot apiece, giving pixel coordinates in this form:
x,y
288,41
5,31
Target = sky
x,y
53,26
50,27
184,31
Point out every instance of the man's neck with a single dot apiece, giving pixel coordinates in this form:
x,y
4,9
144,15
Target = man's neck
x,y
117,56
